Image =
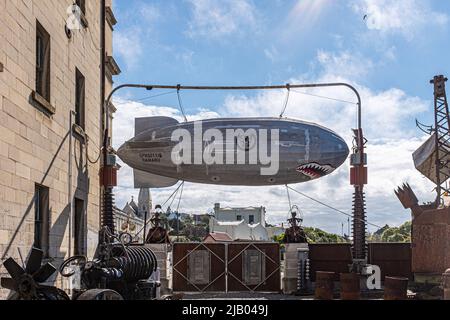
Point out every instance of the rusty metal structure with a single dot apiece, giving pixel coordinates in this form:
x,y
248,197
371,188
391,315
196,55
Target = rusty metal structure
x,y
295,233
433,157
226,267
118,272
394,259
358,178
28,283
431,221
442,134
157,234
350,286
395,288
324,285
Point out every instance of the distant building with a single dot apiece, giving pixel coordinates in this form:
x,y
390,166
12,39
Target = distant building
x,y
251,215
239,230
214,237
131,218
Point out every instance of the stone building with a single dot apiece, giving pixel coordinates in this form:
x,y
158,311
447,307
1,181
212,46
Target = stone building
x,y
131,218
251,215
48,72
248,223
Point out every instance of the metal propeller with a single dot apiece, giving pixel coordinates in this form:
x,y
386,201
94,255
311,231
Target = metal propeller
x,y
27,283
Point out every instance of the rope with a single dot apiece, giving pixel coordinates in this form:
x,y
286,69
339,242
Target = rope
x,y
332,208
288,87
180,103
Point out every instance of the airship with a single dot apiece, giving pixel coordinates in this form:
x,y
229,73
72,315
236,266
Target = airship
x,y
231,151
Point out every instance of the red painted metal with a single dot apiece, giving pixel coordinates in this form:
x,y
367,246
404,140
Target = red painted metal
x,y
108,176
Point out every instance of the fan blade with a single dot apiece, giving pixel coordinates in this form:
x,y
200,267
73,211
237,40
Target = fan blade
x,y
44,273
13,268
34,261
8,283
14,296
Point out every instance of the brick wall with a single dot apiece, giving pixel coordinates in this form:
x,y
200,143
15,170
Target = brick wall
x,y
34,146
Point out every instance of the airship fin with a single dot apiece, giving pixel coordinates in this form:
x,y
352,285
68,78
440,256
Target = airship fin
x,y
144,179
144,124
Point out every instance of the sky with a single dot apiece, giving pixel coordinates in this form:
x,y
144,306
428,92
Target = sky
x,y
387,49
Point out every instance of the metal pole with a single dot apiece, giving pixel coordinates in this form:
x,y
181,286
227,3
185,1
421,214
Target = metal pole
x,y
145,224
103,69
287,86
70,175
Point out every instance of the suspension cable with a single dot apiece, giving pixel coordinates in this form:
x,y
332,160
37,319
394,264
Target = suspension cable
x,y
148,98
289,198
179,199
173,195
180,104
286,102
330,207
324,97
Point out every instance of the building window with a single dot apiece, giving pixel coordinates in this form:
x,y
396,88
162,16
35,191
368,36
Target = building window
x,y
82,5
251,219
80,99
80,237
239,218
42,62
41,218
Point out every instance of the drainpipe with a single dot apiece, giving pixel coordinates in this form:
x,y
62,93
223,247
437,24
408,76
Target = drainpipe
x,y
69,178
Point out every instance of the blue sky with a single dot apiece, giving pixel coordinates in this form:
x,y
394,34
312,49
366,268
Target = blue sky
x,y
390,56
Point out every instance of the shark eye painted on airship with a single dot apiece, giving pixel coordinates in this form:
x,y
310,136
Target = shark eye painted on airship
x,y
314,170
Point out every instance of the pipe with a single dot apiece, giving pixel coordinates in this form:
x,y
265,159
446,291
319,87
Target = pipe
x,y
288,86
69,183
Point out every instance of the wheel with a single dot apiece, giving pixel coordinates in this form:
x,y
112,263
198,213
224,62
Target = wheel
x,y
126,238
68,268
100,294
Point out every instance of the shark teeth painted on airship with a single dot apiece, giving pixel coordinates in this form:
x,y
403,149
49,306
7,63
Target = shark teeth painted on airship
x,y
314,170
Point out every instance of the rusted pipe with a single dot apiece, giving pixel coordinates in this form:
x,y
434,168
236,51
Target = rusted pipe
x,y
324,285
350,286
446,284
395,288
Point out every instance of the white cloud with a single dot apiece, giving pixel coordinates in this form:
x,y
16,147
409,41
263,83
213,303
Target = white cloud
x,y
405,17
216,19
344,64
387,118
129,45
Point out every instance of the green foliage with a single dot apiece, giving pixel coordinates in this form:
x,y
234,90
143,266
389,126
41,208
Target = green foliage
x,y
315,235
392,234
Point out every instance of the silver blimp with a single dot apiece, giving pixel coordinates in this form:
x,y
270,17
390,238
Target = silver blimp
x,y
234,151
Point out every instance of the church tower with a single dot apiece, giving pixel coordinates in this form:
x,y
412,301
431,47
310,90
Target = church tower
x,y
144,202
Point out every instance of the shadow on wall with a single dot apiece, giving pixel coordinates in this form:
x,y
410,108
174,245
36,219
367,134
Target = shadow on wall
x,y
58,228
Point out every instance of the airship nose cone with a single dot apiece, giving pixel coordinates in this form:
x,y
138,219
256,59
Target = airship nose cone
x,y
341,151
121,152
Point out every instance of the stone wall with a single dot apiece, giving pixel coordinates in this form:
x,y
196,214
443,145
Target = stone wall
x,y
34,145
